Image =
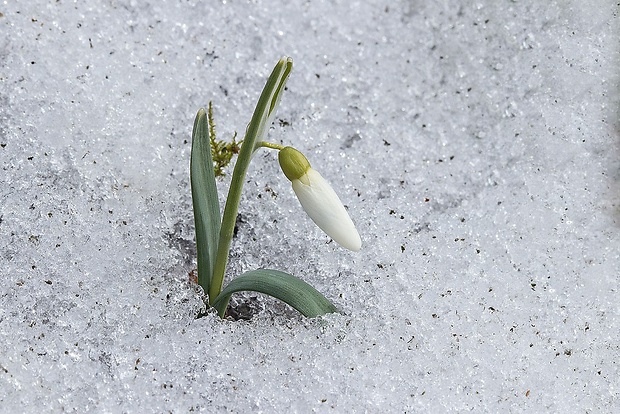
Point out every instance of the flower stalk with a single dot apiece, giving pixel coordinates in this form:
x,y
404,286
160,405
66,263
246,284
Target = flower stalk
x,y
256,129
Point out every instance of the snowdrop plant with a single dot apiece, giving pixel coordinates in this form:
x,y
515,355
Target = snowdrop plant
x,y
214,231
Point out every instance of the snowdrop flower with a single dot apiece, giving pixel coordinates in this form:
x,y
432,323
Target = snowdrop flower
x,y
318,199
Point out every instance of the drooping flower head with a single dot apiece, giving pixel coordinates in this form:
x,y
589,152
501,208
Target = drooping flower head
x,y
318,199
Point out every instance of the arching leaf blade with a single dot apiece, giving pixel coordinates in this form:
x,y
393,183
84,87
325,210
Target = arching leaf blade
x,y
280,285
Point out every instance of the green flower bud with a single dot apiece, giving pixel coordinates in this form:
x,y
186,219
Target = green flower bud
x,y
293,163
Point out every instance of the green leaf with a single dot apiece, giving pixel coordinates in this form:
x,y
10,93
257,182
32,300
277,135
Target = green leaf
x,y
288,288
205,200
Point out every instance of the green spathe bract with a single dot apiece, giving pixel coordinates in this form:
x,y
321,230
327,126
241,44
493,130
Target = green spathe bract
x,y
213,237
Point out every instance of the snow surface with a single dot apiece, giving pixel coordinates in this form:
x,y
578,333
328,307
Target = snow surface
x,y
476,147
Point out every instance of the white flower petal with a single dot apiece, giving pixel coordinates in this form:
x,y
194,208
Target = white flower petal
x,y
324,207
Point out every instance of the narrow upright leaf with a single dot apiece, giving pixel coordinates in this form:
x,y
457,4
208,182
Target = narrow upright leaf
x,y
288,288
205,200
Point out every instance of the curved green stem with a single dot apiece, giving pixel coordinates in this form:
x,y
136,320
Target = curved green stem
x,y
265,144
265,109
